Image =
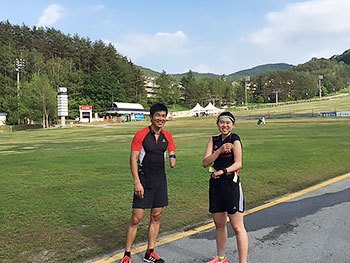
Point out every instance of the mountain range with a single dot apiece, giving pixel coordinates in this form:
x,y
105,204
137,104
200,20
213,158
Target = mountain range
x,y
345,57
239,74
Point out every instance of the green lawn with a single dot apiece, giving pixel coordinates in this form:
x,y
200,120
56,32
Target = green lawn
x,y
294,109
66,193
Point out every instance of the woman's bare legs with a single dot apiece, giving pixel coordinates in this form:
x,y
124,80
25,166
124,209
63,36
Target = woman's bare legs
x,y
237,223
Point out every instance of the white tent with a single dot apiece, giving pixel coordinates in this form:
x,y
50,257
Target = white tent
x,y
197,109
210,108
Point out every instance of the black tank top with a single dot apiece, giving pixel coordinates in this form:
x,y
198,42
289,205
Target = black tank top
x,y
225,159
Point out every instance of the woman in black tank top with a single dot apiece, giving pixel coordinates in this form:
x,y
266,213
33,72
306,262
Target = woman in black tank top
x,y
223,156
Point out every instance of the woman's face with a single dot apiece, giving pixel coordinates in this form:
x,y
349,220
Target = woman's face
x,y
225,126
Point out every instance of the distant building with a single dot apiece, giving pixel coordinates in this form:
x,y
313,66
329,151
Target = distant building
x,y
151,87
3,118
123,112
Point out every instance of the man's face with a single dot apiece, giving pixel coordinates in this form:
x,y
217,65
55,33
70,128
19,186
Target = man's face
x,y
158,119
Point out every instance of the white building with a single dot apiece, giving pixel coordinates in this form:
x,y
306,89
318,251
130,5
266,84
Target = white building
x,y
3,118
150,86
122,112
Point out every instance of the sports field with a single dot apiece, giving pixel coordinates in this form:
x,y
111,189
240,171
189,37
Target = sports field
x,y
66,194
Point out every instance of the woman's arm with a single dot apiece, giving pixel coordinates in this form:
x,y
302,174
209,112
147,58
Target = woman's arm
x,y
237,153
210,156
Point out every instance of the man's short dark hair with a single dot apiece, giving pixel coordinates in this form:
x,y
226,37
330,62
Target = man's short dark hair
x,y
158,107
226,114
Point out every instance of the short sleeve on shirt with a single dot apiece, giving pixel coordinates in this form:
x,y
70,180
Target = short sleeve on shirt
x,y
235,137
136,143
171,143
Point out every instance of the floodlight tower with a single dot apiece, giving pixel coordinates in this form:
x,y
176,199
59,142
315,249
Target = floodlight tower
x,y
320,77
246,84
19,65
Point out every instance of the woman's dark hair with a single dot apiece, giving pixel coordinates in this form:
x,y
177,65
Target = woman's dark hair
x,y
226,114
158,107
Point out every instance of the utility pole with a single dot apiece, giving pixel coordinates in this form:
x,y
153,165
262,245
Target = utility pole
x,y
276,92
320,77
19,65
246,84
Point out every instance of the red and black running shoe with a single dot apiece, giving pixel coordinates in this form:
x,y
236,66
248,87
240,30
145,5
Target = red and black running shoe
x,y
153,257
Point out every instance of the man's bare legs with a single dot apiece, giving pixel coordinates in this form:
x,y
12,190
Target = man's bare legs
x,y
136,217
154,225
153,229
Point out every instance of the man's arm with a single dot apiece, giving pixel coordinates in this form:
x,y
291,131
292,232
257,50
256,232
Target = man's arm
x,y
139,191
172,159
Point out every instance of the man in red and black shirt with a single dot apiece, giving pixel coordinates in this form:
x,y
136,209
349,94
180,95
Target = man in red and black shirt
x,y
147,163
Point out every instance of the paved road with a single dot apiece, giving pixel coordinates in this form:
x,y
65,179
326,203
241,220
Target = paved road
x,y
312,228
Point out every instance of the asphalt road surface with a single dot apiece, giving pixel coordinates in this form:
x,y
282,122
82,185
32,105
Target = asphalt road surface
x,y
311,228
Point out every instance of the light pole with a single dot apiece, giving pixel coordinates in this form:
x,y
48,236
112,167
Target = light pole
x,y
19,65
320,77
246,83
276,92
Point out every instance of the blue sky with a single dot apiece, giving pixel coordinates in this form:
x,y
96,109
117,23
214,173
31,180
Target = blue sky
x,y
222,36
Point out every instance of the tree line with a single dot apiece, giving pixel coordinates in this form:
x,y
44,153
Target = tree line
x,y
42,59
297,83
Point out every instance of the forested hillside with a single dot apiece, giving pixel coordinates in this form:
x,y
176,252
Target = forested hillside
x,y
299,82
260,70
345,57
94,72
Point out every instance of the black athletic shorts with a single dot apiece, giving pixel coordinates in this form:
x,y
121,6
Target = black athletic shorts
x,y
225,195
155,189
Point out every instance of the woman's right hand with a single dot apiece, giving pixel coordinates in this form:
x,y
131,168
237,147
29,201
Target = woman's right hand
x,y
226,148
139,190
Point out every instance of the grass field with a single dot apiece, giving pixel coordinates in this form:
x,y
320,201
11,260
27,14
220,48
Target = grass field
x,y
329,104
66,194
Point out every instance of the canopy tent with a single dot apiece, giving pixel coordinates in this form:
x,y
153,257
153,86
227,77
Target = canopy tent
x,y
197,108
210,108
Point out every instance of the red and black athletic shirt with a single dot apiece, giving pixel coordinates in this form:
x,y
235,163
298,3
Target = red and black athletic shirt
x,y
152,153
225,159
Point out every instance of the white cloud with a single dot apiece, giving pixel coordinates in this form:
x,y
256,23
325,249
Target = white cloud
x,y
299,32
169,36
140,45
305,20
50,15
